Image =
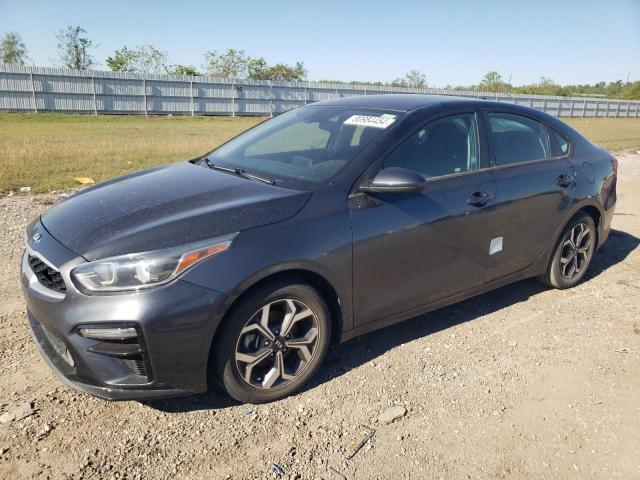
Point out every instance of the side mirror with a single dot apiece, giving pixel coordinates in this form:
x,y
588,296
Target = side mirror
x,y
395,180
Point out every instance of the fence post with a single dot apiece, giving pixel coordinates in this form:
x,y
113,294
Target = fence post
x,y
305,93
626,113
571,108
584,108
191,95
617,108
270,98
33,93
144,93
233,97
606,112
559,108
93,87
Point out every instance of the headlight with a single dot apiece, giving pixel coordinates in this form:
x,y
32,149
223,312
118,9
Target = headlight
x,y
144,270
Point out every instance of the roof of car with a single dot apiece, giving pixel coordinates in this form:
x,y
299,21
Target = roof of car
x,y
406,102
395,101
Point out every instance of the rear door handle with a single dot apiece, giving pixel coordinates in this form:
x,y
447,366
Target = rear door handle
x,y
565,180
479,199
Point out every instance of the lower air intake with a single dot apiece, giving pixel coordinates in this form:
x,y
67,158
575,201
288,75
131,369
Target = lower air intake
x,y
137,366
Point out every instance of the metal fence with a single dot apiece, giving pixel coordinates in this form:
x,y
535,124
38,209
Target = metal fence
x,y
40,89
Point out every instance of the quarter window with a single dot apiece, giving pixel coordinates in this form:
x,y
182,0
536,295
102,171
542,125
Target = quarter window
x,y
562,144
518,139
443,147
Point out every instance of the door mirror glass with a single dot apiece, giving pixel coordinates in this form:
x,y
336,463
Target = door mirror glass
x,y
395,180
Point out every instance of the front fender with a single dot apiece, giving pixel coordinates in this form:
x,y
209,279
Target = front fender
x,y
321,246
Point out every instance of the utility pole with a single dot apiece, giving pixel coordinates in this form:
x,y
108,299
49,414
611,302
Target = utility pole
x,y
626,87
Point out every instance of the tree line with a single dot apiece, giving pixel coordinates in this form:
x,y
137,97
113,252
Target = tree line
x,y
493,82
75,51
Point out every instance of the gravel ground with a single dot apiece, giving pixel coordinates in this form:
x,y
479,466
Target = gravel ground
x,y
523,382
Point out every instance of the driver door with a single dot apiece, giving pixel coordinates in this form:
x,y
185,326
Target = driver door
x,y
411,249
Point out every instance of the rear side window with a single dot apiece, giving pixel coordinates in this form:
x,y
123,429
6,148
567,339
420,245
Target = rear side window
x,y
518,139
443,147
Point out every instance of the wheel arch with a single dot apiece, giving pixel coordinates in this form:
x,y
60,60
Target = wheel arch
x,y
289,275
591,209
595,213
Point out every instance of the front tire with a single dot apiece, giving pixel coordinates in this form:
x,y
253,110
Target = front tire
x,y
573,253
273,342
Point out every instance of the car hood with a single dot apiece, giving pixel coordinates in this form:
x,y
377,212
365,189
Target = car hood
x,y
165,207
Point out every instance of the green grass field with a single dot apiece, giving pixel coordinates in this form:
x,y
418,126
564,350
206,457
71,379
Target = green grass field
x,y
46,151
615,134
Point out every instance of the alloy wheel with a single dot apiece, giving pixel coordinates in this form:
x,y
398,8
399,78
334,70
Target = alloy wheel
x,y
575,251
277,344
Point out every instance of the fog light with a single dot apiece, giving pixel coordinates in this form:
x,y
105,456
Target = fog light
x,y
108,333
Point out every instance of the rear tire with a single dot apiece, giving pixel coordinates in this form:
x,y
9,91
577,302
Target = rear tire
x,y
573,253
273,342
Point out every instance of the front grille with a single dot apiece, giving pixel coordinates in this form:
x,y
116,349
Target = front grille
x,y
48,276
137,366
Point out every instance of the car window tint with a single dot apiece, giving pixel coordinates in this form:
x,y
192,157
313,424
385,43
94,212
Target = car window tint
x,y
562,144
518,139
443,147
357,135
306,145
294,138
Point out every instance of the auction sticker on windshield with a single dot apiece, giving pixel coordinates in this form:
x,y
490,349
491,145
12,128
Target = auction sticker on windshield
x,y
369,121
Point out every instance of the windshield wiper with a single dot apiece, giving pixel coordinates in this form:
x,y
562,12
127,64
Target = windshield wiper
x,y
240,172
253,176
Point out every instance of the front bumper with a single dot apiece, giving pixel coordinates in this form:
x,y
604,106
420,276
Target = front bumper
x,y
176,324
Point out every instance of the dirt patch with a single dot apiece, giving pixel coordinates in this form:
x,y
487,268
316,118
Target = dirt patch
x,y
523,382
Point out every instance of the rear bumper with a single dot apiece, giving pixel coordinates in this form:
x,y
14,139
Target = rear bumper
x,y
175,323
609,207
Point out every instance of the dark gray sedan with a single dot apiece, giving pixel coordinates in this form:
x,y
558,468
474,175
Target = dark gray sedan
x,y
244,266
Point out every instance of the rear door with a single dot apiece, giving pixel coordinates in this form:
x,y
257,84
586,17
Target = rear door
x,y
535,185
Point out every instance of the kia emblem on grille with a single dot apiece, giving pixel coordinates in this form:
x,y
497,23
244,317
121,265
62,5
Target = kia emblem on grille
x,y
36,238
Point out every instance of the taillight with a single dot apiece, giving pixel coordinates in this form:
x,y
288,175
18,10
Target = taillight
x,y
614,164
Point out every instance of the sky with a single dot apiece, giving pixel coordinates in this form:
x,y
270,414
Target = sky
x,y
452,42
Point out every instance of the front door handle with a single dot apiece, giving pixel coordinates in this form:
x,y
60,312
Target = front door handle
x,y
565,180
479,199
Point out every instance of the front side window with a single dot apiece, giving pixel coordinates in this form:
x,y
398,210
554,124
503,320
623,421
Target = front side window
x,y
308,145
518,139
443,147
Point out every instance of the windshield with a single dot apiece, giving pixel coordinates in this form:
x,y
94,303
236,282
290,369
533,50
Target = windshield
x,y
308,145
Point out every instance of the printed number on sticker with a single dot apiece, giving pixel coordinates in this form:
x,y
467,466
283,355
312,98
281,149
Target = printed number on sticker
x,y
368,121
